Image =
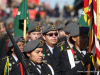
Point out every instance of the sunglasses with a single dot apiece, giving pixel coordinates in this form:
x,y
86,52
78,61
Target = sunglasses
x,y
51,34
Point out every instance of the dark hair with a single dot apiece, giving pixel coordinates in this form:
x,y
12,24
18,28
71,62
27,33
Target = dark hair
x,y
71,41
26,54
9,51
44,34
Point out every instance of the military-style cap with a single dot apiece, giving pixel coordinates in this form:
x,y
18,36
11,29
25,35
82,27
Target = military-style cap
x,y
79,30
35,27
70,27
32,45
69,20
61,27
49,28
10,20
17,39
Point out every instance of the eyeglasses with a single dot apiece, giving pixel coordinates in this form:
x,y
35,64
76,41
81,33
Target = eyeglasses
x,y
51,34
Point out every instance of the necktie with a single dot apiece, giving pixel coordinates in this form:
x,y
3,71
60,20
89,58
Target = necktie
x,y
38,68
82,54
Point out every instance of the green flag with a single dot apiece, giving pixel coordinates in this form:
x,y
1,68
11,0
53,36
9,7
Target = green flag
x,y
22,14
82,21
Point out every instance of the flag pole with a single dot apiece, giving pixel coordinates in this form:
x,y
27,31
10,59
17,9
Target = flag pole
x,y
90,37
24,33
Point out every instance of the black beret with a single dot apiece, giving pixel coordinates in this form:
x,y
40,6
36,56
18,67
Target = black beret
x,y
35,27
32,45
17,39
10,20
70,27
79,30
49,28
61,27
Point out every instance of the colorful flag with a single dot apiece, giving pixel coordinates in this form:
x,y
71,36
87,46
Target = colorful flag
x,y
22,14
86,3
87,11
95,47
82,21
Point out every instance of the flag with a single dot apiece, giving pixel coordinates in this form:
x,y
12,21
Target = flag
x,y
86,3
87,11
22,14
82,20
95,47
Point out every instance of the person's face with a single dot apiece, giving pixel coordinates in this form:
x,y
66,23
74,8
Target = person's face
x,y
20,45
81,42
34,35
61,33
57,23
51,39
11,26
36,55
2,28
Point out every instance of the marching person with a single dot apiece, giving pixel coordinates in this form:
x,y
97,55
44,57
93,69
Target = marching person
x,y
9,64
64,40
67,30
51,51
74,60
34,53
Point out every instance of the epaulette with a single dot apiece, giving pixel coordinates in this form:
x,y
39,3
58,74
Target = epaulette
x,y
62,36
8,39
60,43
45,63
68,49
1,36
18,63
5,57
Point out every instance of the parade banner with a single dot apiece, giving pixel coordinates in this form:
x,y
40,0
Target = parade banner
x,y
22,20
95,42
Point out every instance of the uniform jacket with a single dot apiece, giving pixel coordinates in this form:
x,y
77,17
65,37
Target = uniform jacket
x,y
65,66
12,68
62,41
52,59
3,45
45,70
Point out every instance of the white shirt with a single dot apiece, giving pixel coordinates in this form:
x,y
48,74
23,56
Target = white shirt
x,y
50,48
83,51
16,59
69,44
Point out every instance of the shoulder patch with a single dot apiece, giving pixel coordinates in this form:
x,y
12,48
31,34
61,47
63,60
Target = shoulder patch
x,y
18,64
8,39
67,49
1,36
5,57
61,36
45,63
60,43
